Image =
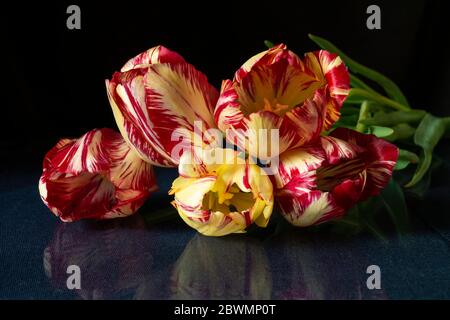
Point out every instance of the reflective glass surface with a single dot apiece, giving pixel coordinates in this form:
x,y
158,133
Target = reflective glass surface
x,y
154,255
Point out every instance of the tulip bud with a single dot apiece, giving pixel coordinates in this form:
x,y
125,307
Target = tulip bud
x,y
96,176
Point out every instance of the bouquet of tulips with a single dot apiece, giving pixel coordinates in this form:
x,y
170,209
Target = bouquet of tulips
x,y
304,133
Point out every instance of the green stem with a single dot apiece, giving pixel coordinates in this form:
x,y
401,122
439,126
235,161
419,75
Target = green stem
x,y
356,82
446,121
389,86
379,98
268,43
363,115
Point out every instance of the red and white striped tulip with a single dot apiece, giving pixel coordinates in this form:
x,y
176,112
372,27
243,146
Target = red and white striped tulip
x,y
156,94
96,176
218,192
276,89
322,181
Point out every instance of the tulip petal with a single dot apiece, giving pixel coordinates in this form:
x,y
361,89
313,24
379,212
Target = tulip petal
x,y
303,98
299,162
278,86
95,176
227,113
127,170
197,162
380,158
131,116
270,56
349,192
158,54
189,198
177,96
266,135
189,194
338,149
333,74
162,105
326,179
181,94
262,190
221,196
306,120
218,224
263,135
305,209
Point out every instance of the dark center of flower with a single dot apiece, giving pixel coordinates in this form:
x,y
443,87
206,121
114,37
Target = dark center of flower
x,y
330,176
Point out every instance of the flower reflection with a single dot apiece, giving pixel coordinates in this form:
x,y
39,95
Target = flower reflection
x,y
314,266
115,257
127,259
222,268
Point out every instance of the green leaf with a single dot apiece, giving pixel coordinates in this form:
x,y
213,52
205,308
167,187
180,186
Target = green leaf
x,y
363,114
347,110
392,90
339,125
356,82
420,189
390,119
401,164
268,44
405,157
375,230
447,126
348,225
408,155
380,132
350,120
428,133
353,98
358,95
402,131
394,201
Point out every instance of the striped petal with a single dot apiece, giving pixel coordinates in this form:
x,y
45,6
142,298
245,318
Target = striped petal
x,y
221,198
303,209
227,113
379,157
126,95
267,57
304,98
323,181
298,198
217,224
162,105
306,121
177,96
332,73
198,162
262,191
95,176
265,134
300,162
278,87
338,149
155,55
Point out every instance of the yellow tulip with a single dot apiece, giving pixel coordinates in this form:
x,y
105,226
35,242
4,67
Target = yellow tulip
x,y
218,192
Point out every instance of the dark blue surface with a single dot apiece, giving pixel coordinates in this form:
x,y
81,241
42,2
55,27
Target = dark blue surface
x,y
134,258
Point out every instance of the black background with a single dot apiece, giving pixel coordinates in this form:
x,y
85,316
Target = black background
x,y
53,87
55,76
